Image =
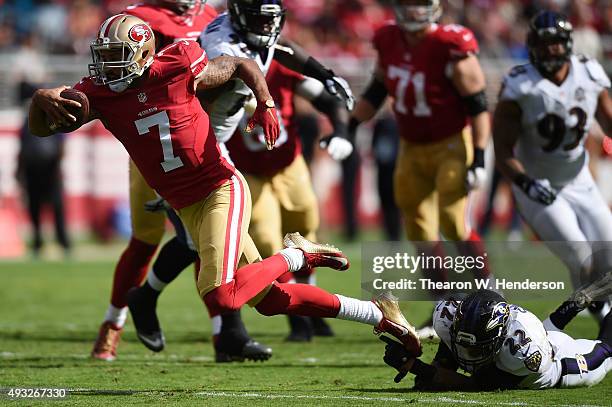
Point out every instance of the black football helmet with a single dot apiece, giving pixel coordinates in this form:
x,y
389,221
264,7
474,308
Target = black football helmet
x,y
258,22
547,28
479,329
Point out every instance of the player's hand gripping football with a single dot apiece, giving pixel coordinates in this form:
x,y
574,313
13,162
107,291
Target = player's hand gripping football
x,y
265,116
52,103
340,88
397,357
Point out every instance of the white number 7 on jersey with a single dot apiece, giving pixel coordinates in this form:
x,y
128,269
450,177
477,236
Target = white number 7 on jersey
x,y
418,80
162,121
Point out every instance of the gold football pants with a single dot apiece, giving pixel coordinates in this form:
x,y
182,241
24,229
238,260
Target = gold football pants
x,y
282,203
147,226
219,226
430,191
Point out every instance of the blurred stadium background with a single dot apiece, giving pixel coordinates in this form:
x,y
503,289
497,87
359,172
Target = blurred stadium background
x,y
46,43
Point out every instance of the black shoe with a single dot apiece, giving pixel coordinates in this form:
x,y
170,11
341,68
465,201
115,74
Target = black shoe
x,y
143,310
320,327
251,350
301,329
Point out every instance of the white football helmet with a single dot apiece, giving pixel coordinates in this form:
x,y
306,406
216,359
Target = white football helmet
x,y
123,50
415,15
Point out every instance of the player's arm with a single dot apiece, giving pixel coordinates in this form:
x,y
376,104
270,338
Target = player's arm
x,y
506,129
370,101
295,58
220,70
337,144
469,80
223,68
47,103
604,112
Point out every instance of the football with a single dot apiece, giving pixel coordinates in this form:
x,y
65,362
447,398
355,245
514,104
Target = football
x,y
81,113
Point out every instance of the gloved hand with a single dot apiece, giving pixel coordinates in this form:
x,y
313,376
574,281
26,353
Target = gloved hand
x,y
397,357
476,175
265,116
338,147
538,190
340,88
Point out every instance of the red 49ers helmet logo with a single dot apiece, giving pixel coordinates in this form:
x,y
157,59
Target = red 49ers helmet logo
x,y
140,32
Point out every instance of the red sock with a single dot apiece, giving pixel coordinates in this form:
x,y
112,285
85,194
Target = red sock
x,y
433,272
285,278
474,247
248,281
131,270
299,299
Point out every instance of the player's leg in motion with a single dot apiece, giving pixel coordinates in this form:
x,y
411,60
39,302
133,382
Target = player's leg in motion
x,y
147,231
286,203
598,291
417,198
455,156
300,213
577,227
579,362
219,226
230,338
266,231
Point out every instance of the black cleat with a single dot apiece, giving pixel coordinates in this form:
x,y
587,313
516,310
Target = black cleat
x,y
301,329
143,310
320,327
251,350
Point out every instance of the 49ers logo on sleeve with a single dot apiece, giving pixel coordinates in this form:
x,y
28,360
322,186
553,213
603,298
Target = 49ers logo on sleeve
x,y
140,32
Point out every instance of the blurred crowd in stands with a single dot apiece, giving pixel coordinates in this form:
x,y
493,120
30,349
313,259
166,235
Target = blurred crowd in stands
x,y
325,27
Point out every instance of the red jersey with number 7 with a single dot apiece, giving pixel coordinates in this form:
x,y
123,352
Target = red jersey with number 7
x,y
163,127
427,106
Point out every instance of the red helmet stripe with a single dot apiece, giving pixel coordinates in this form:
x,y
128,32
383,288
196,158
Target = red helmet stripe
x,y
105,28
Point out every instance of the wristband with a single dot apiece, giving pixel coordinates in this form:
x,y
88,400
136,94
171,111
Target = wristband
x,y
314,69
478,157
352,129
522,181
340,130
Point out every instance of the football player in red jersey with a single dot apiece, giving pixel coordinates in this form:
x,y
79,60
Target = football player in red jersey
x,y
148,102
283,200
437,88
250,29
171,21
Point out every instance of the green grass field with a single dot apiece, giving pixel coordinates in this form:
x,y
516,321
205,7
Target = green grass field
x,y
50,312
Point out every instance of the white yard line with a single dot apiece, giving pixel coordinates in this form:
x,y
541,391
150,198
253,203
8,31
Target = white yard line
x,y
440,400
272,396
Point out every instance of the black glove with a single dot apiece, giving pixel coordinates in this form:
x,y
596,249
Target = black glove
x,y
396,356
157,205
538,190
